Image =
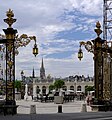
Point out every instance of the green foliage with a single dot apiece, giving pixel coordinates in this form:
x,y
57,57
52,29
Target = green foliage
x,y
51,87
89,88
18,85
59,84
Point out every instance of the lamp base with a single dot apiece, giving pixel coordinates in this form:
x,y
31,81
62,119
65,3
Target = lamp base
x,y
10,107
101,105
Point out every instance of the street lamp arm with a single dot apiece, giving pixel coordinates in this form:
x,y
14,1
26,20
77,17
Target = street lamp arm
x,y
23,41
88,45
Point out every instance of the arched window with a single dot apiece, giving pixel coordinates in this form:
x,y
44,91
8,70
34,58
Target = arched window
x,y
79,88
72,88
44,90
64,88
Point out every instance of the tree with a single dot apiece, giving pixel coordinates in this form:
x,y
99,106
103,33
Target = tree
x,y
59,84
51,87
89,88
18,85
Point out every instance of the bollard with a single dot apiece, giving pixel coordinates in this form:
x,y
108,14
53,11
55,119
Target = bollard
x,y
84,108
32,109
59,108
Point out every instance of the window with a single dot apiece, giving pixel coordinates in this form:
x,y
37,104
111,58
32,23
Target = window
x,y
79,88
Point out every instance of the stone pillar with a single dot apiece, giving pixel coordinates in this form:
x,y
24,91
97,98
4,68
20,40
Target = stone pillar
x,y
68,87
83,88
40,89
26,92
32,109
34,91
83,107
47,90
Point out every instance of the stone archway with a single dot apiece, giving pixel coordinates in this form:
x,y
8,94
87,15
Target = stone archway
x,y
44,90
64,88
38,90
72,88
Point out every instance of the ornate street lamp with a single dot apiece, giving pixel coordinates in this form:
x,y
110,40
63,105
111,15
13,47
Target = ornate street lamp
x,y
80,53
35,49
9,44
95,46
102,51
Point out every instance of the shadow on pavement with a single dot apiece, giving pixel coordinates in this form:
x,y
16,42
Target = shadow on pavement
x,y
59,116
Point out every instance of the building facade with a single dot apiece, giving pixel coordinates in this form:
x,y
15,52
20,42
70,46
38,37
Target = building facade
x,y
75,83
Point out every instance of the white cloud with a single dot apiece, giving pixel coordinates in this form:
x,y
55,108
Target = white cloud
x,y
71,66
45,19
90,7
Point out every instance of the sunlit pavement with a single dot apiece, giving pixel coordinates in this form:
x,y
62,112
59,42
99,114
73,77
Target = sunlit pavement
x,y
49,107
49,111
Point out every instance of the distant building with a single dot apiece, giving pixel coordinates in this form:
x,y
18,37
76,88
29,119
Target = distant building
x,y
41,84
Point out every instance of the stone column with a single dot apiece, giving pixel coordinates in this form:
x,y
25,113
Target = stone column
x,y
47,90
34,90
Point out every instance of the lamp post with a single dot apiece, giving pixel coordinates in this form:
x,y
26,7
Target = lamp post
x,y
10,42
98,47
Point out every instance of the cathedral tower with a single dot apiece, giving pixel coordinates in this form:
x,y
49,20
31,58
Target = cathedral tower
x,y
42,71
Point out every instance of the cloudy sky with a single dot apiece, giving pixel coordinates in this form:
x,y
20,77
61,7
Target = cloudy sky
x,y
59,26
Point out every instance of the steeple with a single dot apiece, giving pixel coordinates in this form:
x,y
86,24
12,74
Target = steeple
x,y
42,65
42,70
33,73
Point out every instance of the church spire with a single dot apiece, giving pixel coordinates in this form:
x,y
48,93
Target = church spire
x,y
33,73
42,65
42,70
